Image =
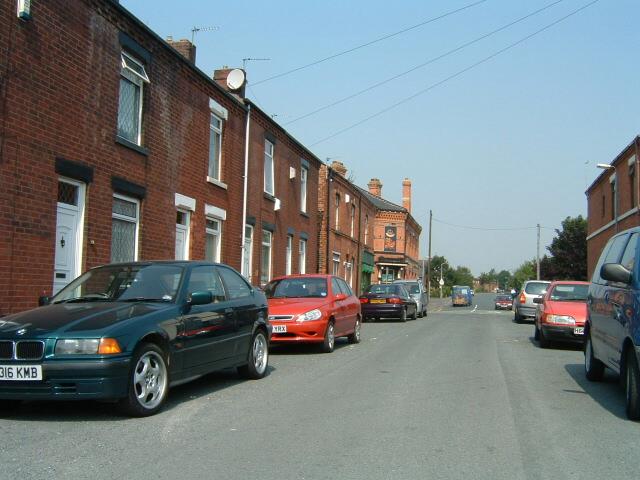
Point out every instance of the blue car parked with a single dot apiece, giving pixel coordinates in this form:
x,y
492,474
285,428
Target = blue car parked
x,y
612,330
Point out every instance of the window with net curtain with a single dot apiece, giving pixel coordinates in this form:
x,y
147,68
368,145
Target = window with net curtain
x,y
133,76
124,229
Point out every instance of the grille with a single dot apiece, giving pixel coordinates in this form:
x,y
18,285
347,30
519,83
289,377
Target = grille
x,y
6,350
280,317
28,350
24,350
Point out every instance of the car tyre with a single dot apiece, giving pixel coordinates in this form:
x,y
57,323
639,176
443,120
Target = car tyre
x,y
355,336
403,315
543,341
536,333
415,314
593,368
148,382
257,358
517,317
329,338
632,386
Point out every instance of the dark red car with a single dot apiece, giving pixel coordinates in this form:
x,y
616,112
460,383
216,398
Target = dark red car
x,y
561,313
314,309
504,302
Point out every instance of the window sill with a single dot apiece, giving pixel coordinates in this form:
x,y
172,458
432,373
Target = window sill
x,y
217,182
304,214
269,197
133,146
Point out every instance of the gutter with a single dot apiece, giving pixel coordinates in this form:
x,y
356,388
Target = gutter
x,y
243,227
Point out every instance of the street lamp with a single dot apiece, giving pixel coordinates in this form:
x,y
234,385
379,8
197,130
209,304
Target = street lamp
x,y
441,283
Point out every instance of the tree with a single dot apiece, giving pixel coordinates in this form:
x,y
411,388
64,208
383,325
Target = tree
x,y
526,271
462,276
504,279
569,250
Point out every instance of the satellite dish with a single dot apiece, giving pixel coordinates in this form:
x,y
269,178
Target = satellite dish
x,y
235,79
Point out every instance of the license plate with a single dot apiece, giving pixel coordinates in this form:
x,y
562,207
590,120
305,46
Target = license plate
x,y
578,331
21,373
378,300
279,329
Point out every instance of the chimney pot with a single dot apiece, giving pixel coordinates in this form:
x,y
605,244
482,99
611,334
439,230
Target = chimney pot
x,y
375,187
339,168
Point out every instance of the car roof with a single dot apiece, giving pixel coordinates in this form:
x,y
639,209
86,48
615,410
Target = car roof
x,y
305,275
570,282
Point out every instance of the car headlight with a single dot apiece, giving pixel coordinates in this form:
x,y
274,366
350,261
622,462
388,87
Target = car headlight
x,y
564,319
309,316
87,346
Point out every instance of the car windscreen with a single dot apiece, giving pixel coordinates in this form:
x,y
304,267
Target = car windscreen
x,y
536,288
569,293
308,287
155,282
413,288
383,289
460,291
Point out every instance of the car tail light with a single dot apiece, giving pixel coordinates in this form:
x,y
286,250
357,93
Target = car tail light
x,y
523,298
394,300
364,300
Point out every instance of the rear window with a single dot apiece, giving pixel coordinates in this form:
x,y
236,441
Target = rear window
x,y
536,288
412,287
569,293
501,298
383,289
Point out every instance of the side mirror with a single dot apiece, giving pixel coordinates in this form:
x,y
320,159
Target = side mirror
x,y
200,298
614,272
538,300
341,296
43,300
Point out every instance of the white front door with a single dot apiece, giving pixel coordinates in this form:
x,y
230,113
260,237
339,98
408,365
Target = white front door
x,y
248,252
68,233
182,235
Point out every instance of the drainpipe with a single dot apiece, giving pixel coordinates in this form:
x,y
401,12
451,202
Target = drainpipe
x,y
328,216
359,246
243,253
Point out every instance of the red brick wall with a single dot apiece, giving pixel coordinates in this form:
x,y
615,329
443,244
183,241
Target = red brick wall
x,y
600,214
61,72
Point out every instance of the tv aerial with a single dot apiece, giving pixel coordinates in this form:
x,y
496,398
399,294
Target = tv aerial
x,y
194,30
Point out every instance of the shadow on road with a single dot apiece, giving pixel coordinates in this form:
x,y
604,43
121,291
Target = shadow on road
x,y
305,348
97,411
607,392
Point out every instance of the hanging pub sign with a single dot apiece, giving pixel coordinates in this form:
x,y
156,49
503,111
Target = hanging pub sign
x,y
390,234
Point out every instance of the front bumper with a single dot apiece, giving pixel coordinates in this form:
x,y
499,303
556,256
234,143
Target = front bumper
x,y
72,380
297,332
563,332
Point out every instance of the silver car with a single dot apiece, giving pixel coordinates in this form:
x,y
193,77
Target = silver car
x,y
523,306
418,292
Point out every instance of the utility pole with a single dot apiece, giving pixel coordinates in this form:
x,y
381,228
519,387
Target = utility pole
x,y
429,257
538,254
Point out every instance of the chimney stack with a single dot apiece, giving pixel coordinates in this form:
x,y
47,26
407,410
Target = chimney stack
x,y
406,194
184,48
339,168
375,187
220,77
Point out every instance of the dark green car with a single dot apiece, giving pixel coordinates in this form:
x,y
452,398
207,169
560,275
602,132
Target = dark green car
x,y
130,331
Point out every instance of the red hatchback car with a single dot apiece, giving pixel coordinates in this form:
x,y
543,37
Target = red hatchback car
x,y
561,313
312,308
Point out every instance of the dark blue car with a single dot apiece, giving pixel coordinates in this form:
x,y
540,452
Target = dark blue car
x,y
612,329
130,331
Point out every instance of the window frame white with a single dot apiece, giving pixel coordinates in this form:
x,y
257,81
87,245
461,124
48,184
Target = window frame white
x,y
366,228
269,155
302,256
337,212
217,234
353,219
126,218
187,215
215,132
335,262
248,255
288,256
268,244
137,77
304,180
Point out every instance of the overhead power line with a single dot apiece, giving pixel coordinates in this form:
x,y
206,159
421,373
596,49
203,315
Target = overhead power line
x,y
483,228
380,39
451,77
424,64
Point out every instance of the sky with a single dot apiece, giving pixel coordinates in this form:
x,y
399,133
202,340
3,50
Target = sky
x,y
496,136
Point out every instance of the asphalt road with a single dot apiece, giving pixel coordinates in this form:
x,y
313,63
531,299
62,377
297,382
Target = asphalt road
x,y
463,394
